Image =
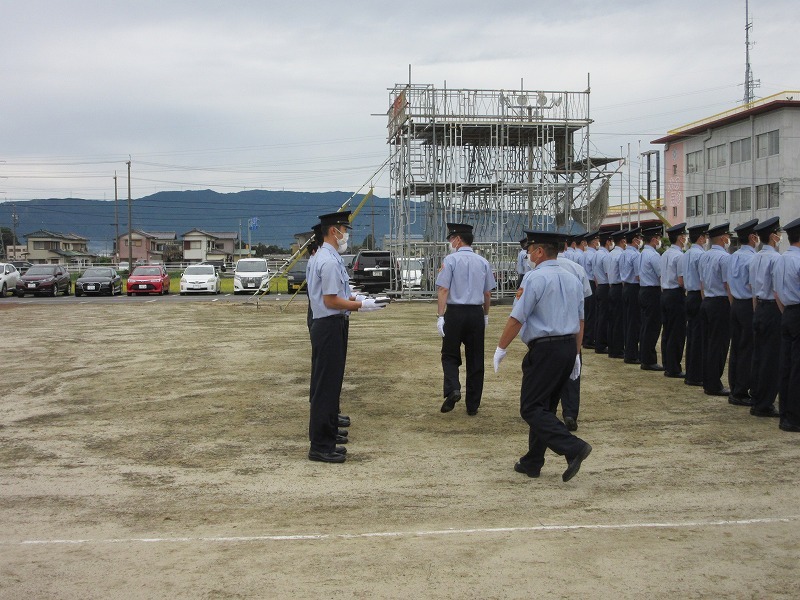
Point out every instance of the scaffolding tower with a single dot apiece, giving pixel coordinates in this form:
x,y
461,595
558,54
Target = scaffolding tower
x,y
502,161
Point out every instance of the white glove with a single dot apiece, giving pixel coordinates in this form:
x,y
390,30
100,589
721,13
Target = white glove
x,y
360,297
499,355
576,370
486,320
440,325
369,304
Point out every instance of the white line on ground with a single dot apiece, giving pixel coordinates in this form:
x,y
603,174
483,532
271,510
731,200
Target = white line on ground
x,y
402,534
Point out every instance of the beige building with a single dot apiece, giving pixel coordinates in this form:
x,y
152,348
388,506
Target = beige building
x,y
145,246
200,246
49,247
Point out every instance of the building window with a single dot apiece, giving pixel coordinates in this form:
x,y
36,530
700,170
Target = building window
x,y
768,196
694,206
192,245
674,169
740,200
717,156
694,161
767,144
715,203
674,211
740,150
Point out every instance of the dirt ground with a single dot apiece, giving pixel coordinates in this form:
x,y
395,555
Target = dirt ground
x,y
159,451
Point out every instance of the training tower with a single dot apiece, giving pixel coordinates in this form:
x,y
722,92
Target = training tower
x,y
501,160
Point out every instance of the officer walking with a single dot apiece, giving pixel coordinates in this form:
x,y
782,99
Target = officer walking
x,y
465,283
590,304
548,315
787,287
329,294
602,291
766,321
689,275
522,260
616,331
673,304
629,273
741,355
650,298
715,310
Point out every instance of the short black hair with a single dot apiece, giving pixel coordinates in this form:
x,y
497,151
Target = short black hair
x,y
467,238
764,235
550,250
794,235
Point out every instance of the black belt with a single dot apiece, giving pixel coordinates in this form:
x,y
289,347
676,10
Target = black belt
x,y
552,338
614,284
340,316
792,306
760,301
750,300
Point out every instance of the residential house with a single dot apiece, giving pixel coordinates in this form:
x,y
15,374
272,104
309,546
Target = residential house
x,y
200,246
54,248
145,246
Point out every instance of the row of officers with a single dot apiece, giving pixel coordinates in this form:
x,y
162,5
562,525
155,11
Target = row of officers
x,y
741,308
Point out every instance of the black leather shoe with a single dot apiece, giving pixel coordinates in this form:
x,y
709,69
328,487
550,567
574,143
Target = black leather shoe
x,y
653,367
472,413
571,423
694,383
341,439
769,412
721,392
520,469
341,450
786,426
632,361
342,432
601,350
748,401
328,457
680,375
574,465
616,355
450,402
344,421
589,346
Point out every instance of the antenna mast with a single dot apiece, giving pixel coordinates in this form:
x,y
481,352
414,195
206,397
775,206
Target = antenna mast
x,y
750,84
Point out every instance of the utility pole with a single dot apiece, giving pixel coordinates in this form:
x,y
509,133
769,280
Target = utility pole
x,y
750,84
14,223
130,223
116,219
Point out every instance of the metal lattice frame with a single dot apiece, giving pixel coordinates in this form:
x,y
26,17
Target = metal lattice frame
x,y
502,161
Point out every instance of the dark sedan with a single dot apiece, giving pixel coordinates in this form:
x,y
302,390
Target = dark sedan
x,y
297,276
99,280
44,279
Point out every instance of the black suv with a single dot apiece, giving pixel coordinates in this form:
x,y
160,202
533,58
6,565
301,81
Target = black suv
x,y
371,270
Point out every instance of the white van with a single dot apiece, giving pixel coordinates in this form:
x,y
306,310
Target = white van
x,y
409,272
250,275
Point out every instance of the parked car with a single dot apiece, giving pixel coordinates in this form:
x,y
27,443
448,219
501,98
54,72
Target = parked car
x,y
44,279
296,276
218,264
371,270
203,278
348,263
22,265
250,275
408,273
124,266
9,275
148,279
99,280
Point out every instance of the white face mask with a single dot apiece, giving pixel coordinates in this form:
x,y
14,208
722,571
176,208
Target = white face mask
x,y
727,245
452,248
658,245
610,248
779,240
341,242
531,264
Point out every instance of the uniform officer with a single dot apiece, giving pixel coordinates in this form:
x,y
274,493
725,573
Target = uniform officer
x,y
787,286
766,321
602,290
673,304
465,283
616,331
689,274
590,304
650,298
548,316
522,260
629,272
715,310
741,295
329,294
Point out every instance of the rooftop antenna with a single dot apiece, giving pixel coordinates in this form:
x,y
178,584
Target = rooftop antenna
x,y
750,84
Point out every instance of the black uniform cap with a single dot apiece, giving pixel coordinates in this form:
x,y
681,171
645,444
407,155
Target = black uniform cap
x,y
618,235
524,241
746,228
591,235
337,218
604,236
676,230
769,226
700,229
633,233
719,230
546,237
792,226
652,232
457,228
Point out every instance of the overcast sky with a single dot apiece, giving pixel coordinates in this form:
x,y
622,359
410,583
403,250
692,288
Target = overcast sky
x,y
281,95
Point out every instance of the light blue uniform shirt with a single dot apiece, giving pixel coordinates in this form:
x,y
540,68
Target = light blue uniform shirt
x,y
578,256
714,272
327,275
629,265
578,271
522,262
739,273
688,268
787,277
611,265
598,266
669,267
762,268
649,267
467,276
587,262
551,303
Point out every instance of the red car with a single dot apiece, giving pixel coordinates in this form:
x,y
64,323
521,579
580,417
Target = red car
x,y
148,279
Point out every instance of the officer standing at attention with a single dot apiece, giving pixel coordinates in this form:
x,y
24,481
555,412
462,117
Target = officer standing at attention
x,y
602,290
689,276
465,283
548,316
650,298
673,304
616,330
715,310
741,297
766,321
590,304
787,288
329,294
522,260
629,272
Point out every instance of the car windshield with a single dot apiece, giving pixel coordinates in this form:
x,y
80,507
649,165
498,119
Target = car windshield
x,y
147,271
41,270
98,273
412,264
254,266
199,270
